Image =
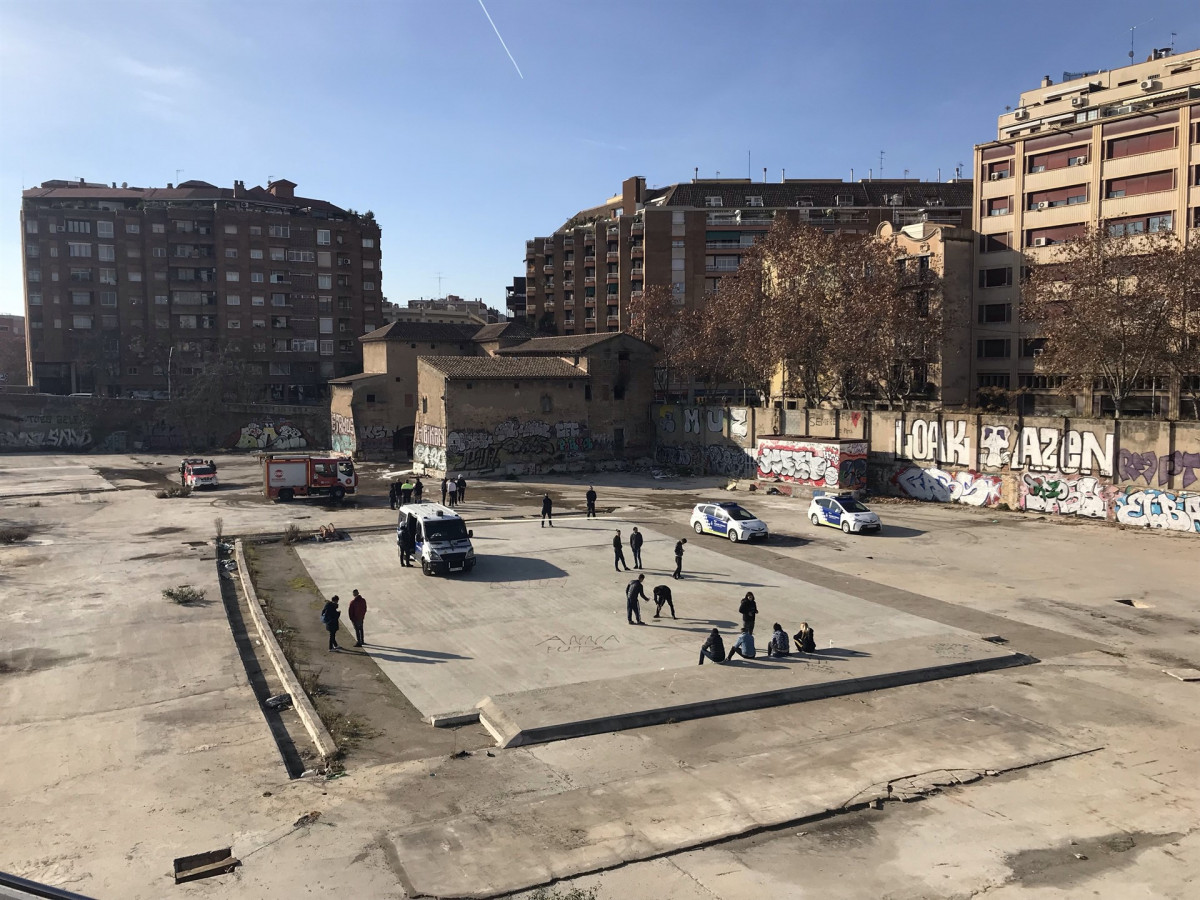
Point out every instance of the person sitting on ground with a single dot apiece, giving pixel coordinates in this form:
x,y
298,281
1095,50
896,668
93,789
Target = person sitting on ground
x,y
662,597
743,646
805,641
714,648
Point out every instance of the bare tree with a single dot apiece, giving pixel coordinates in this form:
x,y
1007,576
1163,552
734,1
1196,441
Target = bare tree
x,y
1108,310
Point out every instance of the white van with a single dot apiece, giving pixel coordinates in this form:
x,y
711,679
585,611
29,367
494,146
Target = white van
x,y
443,543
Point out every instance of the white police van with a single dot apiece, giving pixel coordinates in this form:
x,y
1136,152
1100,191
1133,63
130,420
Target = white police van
x,y
441,538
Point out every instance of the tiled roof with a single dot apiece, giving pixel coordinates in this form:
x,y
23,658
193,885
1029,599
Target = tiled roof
x,y
566,344
430,332
356,379
821,193
188,190
481,367
511,330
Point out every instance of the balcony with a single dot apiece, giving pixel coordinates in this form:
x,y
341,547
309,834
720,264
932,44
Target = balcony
x,y
590,320
569,283
637,228
635,295
569,242
614,320
548,306
636,272
590,259
725,245
612,256
637,252
612,278
548,269
590,303
568,304
721,270
614,231
548,247
589,279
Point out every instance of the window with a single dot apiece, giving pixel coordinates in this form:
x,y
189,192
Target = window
x,y
160,299
368,242
1058,159
133,228
133,252
81,274
370,263
32,250
81,322
998,277
78,226
231,229
106,252
256,229
1044,237
31,226
1140,184
135,275
754,201
104,229
992,243
232,276
256,277
231,252
324,258
258,300
79,250
327,350
108,276
278,276
368,285
1141,143
279,368
326,325
279,231
323,237
992,380
713,201
81,298
991,313
108,322
34,274
992,348
1067,196
279,299
184,226
158,228
54,251
307,256
35,298
108,298
279,254
998,170
256,253
998,206
1140,224
161,252
259,323
279,322
161,275
1032,347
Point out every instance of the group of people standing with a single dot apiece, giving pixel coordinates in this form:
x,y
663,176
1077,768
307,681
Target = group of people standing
x,y
406,492
356,612
778,645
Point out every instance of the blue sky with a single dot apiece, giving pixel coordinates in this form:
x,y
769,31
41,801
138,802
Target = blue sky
x,y
412,109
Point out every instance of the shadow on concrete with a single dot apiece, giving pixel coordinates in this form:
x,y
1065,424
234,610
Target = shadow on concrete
x,y
834,652
897,531
435,655
751,664
784,540
514,568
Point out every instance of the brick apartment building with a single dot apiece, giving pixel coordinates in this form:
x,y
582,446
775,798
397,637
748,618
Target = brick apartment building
x,y
129,289
580,279
1121,148
12,352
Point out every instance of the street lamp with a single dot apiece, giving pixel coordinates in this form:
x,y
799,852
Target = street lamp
x,y
170,353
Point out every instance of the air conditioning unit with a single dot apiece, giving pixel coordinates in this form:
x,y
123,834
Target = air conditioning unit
x,y
1039,242
1043,204
1081,100
996,176
1021,114
1148,85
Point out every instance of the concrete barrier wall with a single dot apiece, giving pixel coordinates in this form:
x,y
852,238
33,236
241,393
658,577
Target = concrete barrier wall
x,y
47,422
1136,472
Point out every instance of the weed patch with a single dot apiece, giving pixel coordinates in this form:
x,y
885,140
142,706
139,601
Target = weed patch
x,y
175,490
14,534
184,595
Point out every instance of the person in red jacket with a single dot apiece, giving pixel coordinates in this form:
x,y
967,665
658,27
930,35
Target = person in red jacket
x,y
356,612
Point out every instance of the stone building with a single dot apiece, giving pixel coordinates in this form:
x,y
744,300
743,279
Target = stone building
x,y
574,403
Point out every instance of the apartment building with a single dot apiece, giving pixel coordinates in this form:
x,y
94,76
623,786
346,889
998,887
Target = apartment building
x,y
131,290
1117,148
687,236
12,352
450,308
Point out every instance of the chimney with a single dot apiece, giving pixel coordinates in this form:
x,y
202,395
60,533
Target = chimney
x,y
764,174
782,175
695,174
633,193
114,185
1047,81
170,187
239,188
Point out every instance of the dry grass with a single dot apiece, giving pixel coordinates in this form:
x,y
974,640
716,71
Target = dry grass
x,y
175,490
14,534
184,595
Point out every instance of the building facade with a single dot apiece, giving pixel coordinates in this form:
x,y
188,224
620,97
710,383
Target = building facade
x,y
131,292
1117,149
581,278
13,366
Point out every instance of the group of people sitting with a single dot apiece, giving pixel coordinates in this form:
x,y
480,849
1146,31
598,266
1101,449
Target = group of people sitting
x,y
778,645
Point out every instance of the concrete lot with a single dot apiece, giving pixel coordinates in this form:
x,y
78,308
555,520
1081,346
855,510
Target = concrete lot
x,y
132,737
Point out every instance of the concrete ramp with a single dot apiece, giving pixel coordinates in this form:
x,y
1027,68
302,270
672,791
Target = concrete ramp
x,y
635,701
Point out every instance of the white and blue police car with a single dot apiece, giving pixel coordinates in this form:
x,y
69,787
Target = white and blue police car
x,y
842,511
728,520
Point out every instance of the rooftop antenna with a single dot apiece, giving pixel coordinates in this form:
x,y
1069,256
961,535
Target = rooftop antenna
x,y
1131,31
178,172
906,173
881,164
958,171
439,281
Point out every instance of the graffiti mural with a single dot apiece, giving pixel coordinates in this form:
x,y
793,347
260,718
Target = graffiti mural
x,y
374,437
512,442
993,447
674,456
1071,452
284,436
812,462
932,441
1134,466
429,456
739,422
971,488
730,460
48,439
1152,508
1065,495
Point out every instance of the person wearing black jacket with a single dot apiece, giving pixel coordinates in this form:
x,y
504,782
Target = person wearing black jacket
x,y
714,648
619,553
330,618
590,496
749,610
633,593
679,559
662,597
635,544
394,494
462,488
408,545
547,510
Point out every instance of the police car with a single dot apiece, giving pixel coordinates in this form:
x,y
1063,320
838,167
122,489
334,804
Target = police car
x,y
842,511
728,520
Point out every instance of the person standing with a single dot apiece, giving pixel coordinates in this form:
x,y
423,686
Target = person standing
x,y
743,646
452,489
662,597
462,489
418,491
547,510
330,616
444,484
749,610
408,545
590,496
635,544
779,645
714,648
394,494
356,612
679,559
634,592
619,553
806,642
406,490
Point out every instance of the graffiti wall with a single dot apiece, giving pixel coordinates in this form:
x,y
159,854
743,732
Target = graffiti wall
x,y
1068,495
841,465
1152,508
712,440
969,487
511,446
269,436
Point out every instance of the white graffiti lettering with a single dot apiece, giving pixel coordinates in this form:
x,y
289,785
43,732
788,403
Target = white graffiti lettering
x,y
432,435
1151,508
1064,495
739,422
993,445
940,486
932,441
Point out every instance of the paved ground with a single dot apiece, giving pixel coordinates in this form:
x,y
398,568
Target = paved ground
x,y
132,733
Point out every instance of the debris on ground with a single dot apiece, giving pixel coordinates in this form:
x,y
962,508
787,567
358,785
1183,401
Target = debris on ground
x,y
307,819
461,754
205,865
279,702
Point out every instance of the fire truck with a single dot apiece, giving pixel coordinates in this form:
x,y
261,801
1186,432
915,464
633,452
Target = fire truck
x,y
290,475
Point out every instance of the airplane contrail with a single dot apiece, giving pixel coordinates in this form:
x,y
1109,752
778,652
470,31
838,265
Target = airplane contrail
x,y
502,44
